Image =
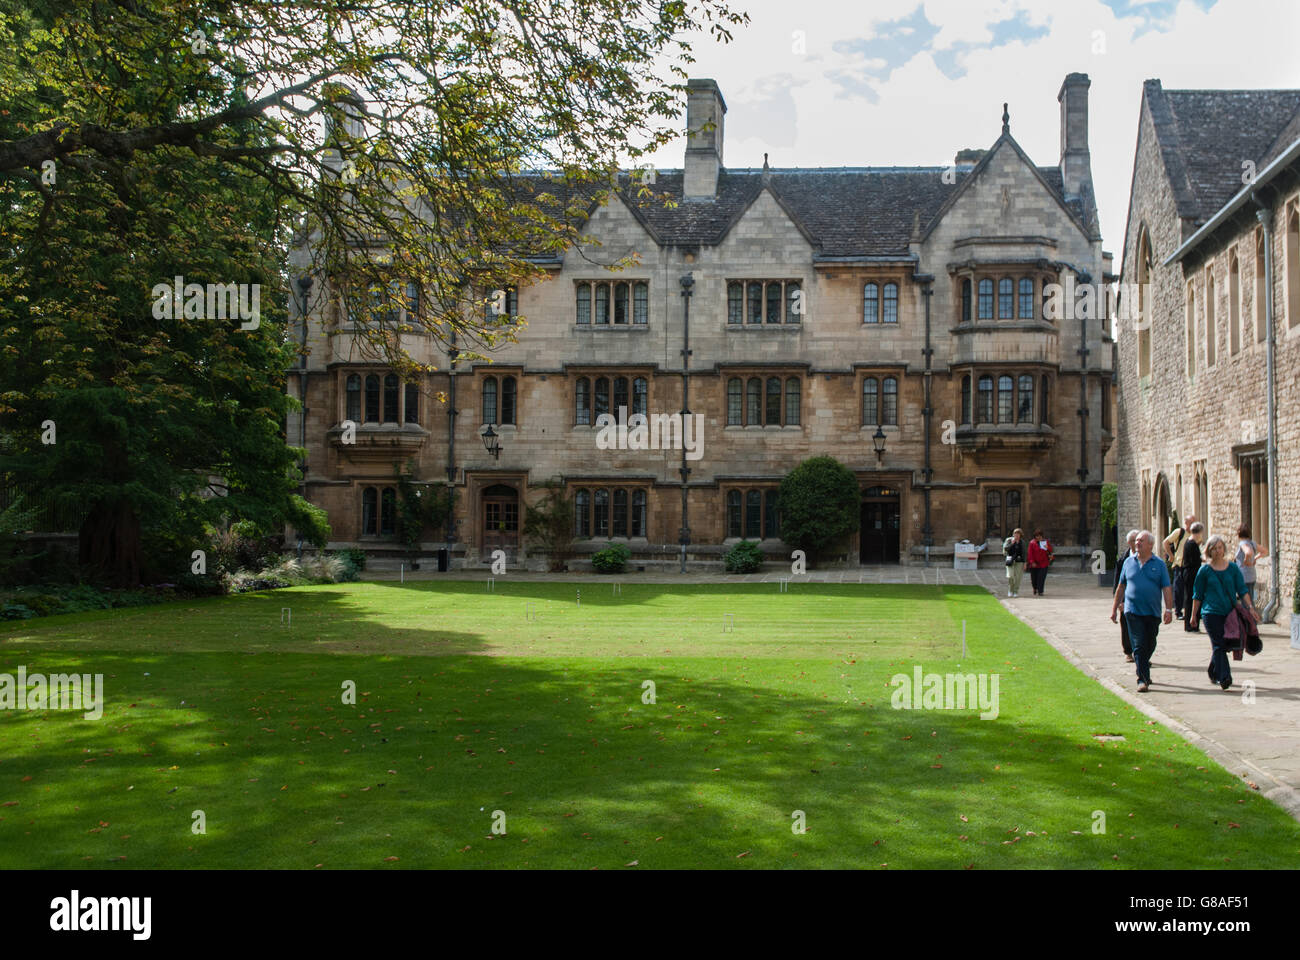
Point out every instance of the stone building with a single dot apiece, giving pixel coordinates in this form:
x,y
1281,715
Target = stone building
x,y
1209,369
897,319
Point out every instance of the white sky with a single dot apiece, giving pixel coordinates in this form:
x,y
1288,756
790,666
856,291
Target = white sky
x,y
911,83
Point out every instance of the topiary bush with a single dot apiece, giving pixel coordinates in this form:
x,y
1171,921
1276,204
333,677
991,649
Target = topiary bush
x,y
820,504
613,559
744,557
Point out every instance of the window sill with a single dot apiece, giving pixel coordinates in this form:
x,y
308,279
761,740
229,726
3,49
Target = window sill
x,y
746,327
624,327
736,427
993,326
888,428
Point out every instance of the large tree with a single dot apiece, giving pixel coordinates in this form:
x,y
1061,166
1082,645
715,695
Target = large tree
x,y
447,144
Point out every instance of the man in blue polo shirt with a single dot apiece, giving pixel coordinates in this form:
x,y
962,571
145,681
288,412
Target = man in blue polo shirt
x,y
1143,582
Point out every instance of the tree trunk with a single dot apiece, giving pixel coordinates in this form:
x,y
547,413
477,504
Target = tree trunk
x,y
109,543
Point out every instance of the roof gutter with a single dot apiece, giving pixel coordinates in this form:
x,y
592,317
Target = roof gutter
x,y
1243,196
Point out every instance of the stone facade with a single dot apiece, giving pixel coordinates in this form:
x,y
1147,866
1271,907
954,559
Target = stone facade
x,y
1193,383
921,231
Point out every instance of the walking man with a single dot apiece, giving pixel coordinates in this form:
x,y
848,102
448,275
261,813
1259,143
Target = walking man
x,y
1143,582
1172,550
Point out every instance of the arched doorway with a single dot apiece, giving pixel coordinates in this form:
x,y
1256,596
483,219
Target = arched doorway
x,y
1160,510
878,539
500,513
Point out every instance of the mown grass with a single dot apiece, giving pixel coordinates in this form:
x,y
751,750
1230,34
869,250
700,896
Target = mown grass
x,y
464,708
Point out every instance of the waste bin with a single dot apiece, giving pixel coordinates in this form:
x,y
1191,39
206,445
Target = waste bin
x,y
444,560
965,556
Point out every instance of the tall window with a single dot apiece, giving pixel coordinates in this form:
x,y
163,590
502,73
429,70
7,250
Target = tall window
x,y
620,303
620,513
388,512
771,518
370,511
734,527
353,408
641,302
965,399
1006,303
1011,517
1106,418
1292,272
582,402
1234,304
582,514
993,514
871,303
1045,408
584,303
755,298
490,400
985,411
1211,327
1144,266
792,402
965,300
753,515
620,398
870,400
1026,298
794,305
638,513
754,402
1005,408
601,514
986,299
734,402
602,397
1261,320
390,398
1190,329
1025,402
891,303
773,401
640,396
774,303
412,403
602,303
372,398
412,303
507,400
889,402
502,304
735,303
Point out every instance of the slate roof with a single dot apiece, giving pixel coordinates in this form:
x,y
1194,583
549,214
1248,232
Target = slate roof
x,y
844,211
1205,135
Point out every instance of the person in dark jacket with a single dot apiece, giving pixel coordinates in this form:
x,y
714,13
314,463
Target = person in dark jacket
x,y
1040,557
1191,566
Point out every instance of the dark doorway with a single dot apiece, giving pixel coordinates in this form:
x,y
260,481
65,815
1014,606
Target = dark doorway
x,y
500,518
879,532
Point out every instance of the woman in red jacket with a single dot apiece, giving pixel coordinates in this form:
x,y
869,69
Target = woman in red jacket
x,y
1040,558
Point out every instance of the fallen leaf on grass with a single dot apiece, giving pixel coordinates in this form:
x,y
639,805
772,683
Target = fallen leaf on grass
x,y
745,854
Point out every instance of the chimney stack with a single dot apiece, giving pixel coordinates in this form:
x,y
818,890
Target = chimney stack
x,y
1076,165
704,109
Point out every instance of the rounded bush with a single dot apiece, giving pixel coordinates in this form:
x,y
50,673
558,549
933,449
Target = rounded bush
x,y
744,557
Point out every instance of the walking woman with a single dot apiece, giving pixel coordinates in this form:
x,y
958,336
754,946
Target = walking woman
x,y
1248,552
1013,548
1191,552
1040,558
1217,588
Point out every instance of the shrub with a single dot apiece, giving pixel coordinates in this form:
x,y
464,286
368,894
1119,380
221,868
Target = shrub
x,y
1108,521
820,504
613,559
355,556
16,611
549,524
744,557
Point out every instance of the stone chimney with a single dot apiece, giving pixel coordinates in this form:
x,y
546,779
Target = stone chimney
x,y
1076,165
705,109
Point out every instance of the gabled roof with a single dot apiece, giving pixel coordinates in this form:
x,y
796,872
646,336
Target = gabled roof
x,y
843,211
1204,137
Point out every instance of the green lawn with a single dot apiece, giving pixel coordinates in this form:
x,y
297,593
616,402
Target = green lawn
x,y
465,707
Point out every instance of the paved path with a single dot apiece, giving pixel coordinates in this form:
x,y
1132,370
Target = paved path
x,y
1257,740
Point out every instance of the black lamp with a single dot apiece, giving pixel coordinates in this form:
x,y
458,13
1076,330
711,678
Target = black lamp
x,y
878,439
492,441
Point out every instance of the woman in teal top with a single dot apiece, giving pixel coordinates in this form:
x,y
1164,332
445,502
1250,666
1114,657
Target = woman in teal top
x,y
1218,585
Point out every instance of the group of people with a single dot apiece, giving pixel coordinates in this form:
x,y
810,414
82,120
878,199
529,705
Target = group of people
x,y
1034,556
1205,587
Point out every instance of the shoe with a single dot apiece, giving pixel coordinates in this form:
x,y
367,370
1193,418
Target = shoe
x,y
1143,687
1128,658
1209,672
1225,684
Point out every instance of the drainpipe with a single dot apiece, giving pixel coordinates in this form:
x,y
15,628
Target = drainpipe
x,y
452,353
927,473
1265,217
1084,278
688,282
